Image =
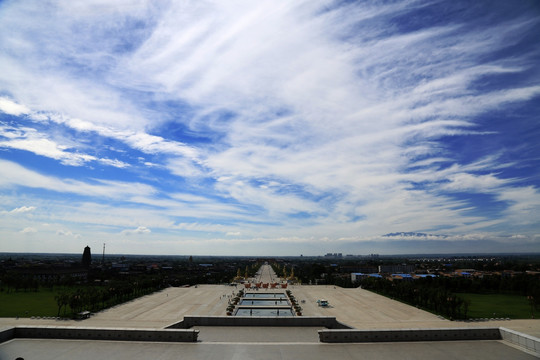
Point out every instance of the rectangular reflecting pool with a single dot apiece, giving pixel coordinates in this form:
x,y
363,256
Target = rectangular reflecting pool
x,y
265,302
263,312
265,295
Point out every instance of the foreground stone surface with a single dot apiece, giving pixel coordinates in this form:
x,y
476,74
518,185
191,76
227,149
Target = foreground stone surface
x,y
97,350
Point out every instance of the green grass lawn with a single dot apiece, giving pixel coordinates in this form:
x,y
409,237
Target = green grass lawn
x,y
497,306
30,303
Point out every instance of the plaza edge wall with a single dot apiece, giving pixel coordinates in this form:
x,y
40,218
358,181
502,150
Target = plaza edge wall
x,y
7,334
313,321
87,333
522,340
396,335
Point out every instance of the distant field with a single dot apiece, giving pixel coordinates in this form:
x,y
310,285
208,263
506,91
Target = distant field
x,y
497,306
26,304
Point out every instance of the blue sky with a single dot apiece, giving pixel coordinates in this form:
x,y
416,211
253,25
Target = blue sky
x,y
270,128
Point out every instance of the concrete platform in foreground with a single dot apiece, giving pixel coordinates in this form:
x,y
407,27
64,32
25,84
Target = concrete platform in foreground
x,y
97,350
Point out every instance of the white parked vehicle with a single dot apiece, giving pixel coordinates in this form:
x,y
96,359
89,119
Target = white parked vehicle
x,y
322,302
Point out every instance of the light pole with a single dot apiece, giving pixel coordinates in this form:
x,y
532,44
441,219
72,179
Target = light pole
x,y
531,302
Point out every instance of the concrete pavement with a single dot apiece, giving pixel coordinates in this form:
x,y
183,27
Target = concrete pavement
x,y
355,307
118,350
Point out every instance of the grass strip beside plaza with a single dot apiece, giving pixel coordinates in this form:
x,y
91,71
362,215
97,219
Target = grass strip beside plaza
x,y
29,303
497,306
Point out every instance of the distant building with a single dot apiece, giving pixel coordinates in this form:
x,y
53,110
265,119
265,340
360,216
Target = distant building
x,y
407,277
423,276
86,257
358,269
393,269
334,255
55,275
358,276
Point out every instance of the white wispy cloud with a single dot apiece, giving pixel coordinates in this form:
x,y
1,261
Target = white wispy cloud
x,y
21,210
67,233
524,205
9,107
16,175
139,230
318,117
29,139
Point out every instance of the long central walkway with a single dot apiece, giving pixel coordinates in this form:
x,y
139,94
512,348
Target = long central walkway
x,y
266,274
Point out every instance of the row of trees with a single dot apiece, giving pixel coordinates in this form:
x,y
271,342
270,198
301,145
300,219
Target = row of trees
x,y
282,270
518,284
16,282
95,298
441,294
422,293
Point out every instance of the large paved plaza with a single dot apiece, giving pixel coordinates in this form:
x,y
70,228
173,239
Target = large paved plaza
x,y
357,308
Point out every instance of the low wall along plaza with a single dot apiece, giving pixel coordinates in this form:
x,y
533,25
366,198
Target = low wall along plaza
x,y
313,321
525,341
358,336
86,333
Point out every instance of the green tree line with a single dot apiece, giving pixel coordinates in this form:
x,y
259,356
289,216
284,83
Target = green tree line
x,y
96,298
441,294
421,293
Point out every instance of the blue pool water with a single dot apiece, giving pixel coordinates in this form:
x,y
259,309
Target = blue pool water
x,y
264,302
265,295
264,312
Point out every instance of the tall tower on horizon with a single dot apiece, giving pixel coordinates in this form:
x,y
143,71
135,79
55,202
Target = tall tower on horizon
x,y
86,257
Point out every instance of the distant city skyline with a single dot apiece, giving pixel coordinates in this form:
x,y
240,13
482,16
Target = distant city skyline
x,y
263,128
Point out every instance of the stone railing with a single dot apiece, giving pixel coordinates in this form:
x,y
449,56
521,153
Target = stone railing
x,y
396,335
87,333
524,341
314,321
